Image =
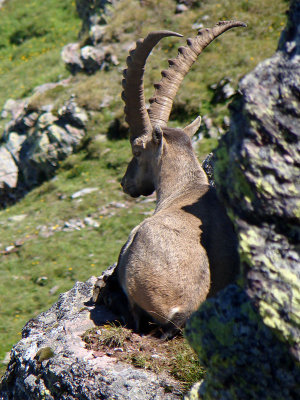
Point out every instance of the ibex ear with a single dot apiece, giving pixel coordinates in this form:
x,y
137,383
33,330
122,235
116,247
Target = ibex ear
x,y
192,128
157,134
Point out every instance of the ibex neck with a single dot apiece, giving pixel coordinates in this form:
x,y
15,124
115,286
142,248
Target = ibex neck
x,y
178,180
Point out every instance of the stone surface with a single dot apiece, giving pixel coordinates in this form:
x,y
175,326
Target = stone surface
x,y
222,90
91,56
83,192
33,144
8,169
70,55
51,361
248,337
94,12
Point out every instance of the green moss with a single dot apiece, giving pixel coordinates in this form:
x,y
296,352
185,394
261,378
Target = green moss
x,y
43,354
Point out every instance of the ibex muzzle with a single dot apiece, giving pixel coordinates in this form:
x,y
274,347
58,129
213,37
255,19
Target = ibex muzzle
x,y
188,248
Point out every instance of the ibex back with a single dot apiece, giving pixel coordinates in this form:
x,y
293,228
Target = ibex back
x,y
187,249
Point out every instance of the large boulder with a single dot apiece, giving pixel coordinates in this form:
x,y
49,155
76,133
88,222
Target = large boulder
x,y
248,336
51,361
34,142
91,55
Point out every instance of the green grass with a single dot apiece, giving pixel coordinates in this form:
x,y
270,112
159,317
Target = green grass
x,y
63,257
174,357
32,34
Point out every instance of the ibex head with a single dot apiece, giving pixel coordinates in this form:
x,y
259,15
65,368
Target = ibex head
x,y
148,129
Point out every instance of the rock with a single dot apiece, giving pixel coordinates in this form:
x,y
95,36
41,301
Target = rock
x,y
91,222
222,90
13,107
45,120
72,114
51,361
88,59
208,129
73,225
17,218
53,290
94,12
248,335
180,8
14,144
83,192
8,169
49,86
187,4
207,165
70,55
34,143
197,25
96,33
92,58
226,122
30,119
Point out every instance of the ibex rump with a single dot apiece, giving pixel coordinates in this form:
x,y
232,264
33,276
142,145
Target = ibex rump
x,y
187,249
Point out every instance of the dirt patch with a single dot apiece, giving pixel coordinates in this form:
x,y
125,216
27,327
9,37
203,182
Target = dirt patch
x,y
173,357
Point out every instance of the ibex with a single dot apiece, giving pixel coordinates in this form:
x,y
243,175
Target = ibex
x,y
187,249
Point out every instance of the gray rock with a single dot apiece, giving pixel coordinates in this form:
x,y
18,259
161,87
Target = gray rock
x,y
51,361
17,218
197,25
14,144
94,12
48,86
8,169
96,33
92,58
248,335
180,8
35,142
91,222
222,90
207,165
13,107
83,192
70,55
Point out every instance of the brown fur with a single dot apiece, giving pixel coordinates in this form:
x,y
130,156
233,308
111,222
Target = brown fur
x,y
172,260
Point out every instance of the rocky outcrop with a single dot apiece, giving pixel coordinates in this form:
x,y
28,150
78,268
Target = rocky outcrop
x,y
248,336
51,361
88,59
94,12
33,143
91,55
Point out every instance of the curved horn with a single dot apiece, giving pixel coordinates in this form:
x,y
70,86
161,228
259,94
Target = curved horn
x,y
162,101
133,94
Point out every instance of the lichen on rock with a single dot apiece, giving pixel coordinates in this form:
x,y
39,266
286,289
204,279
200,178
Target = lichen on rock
x,y
248,336
51,360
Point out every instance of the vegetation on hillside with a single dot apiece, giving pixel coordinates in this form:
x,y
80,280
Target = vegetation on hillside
x,y
48,258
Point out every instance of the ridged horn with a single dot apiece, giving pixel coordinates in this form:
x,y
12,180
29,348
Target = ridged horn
x,y
162,101
133,93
